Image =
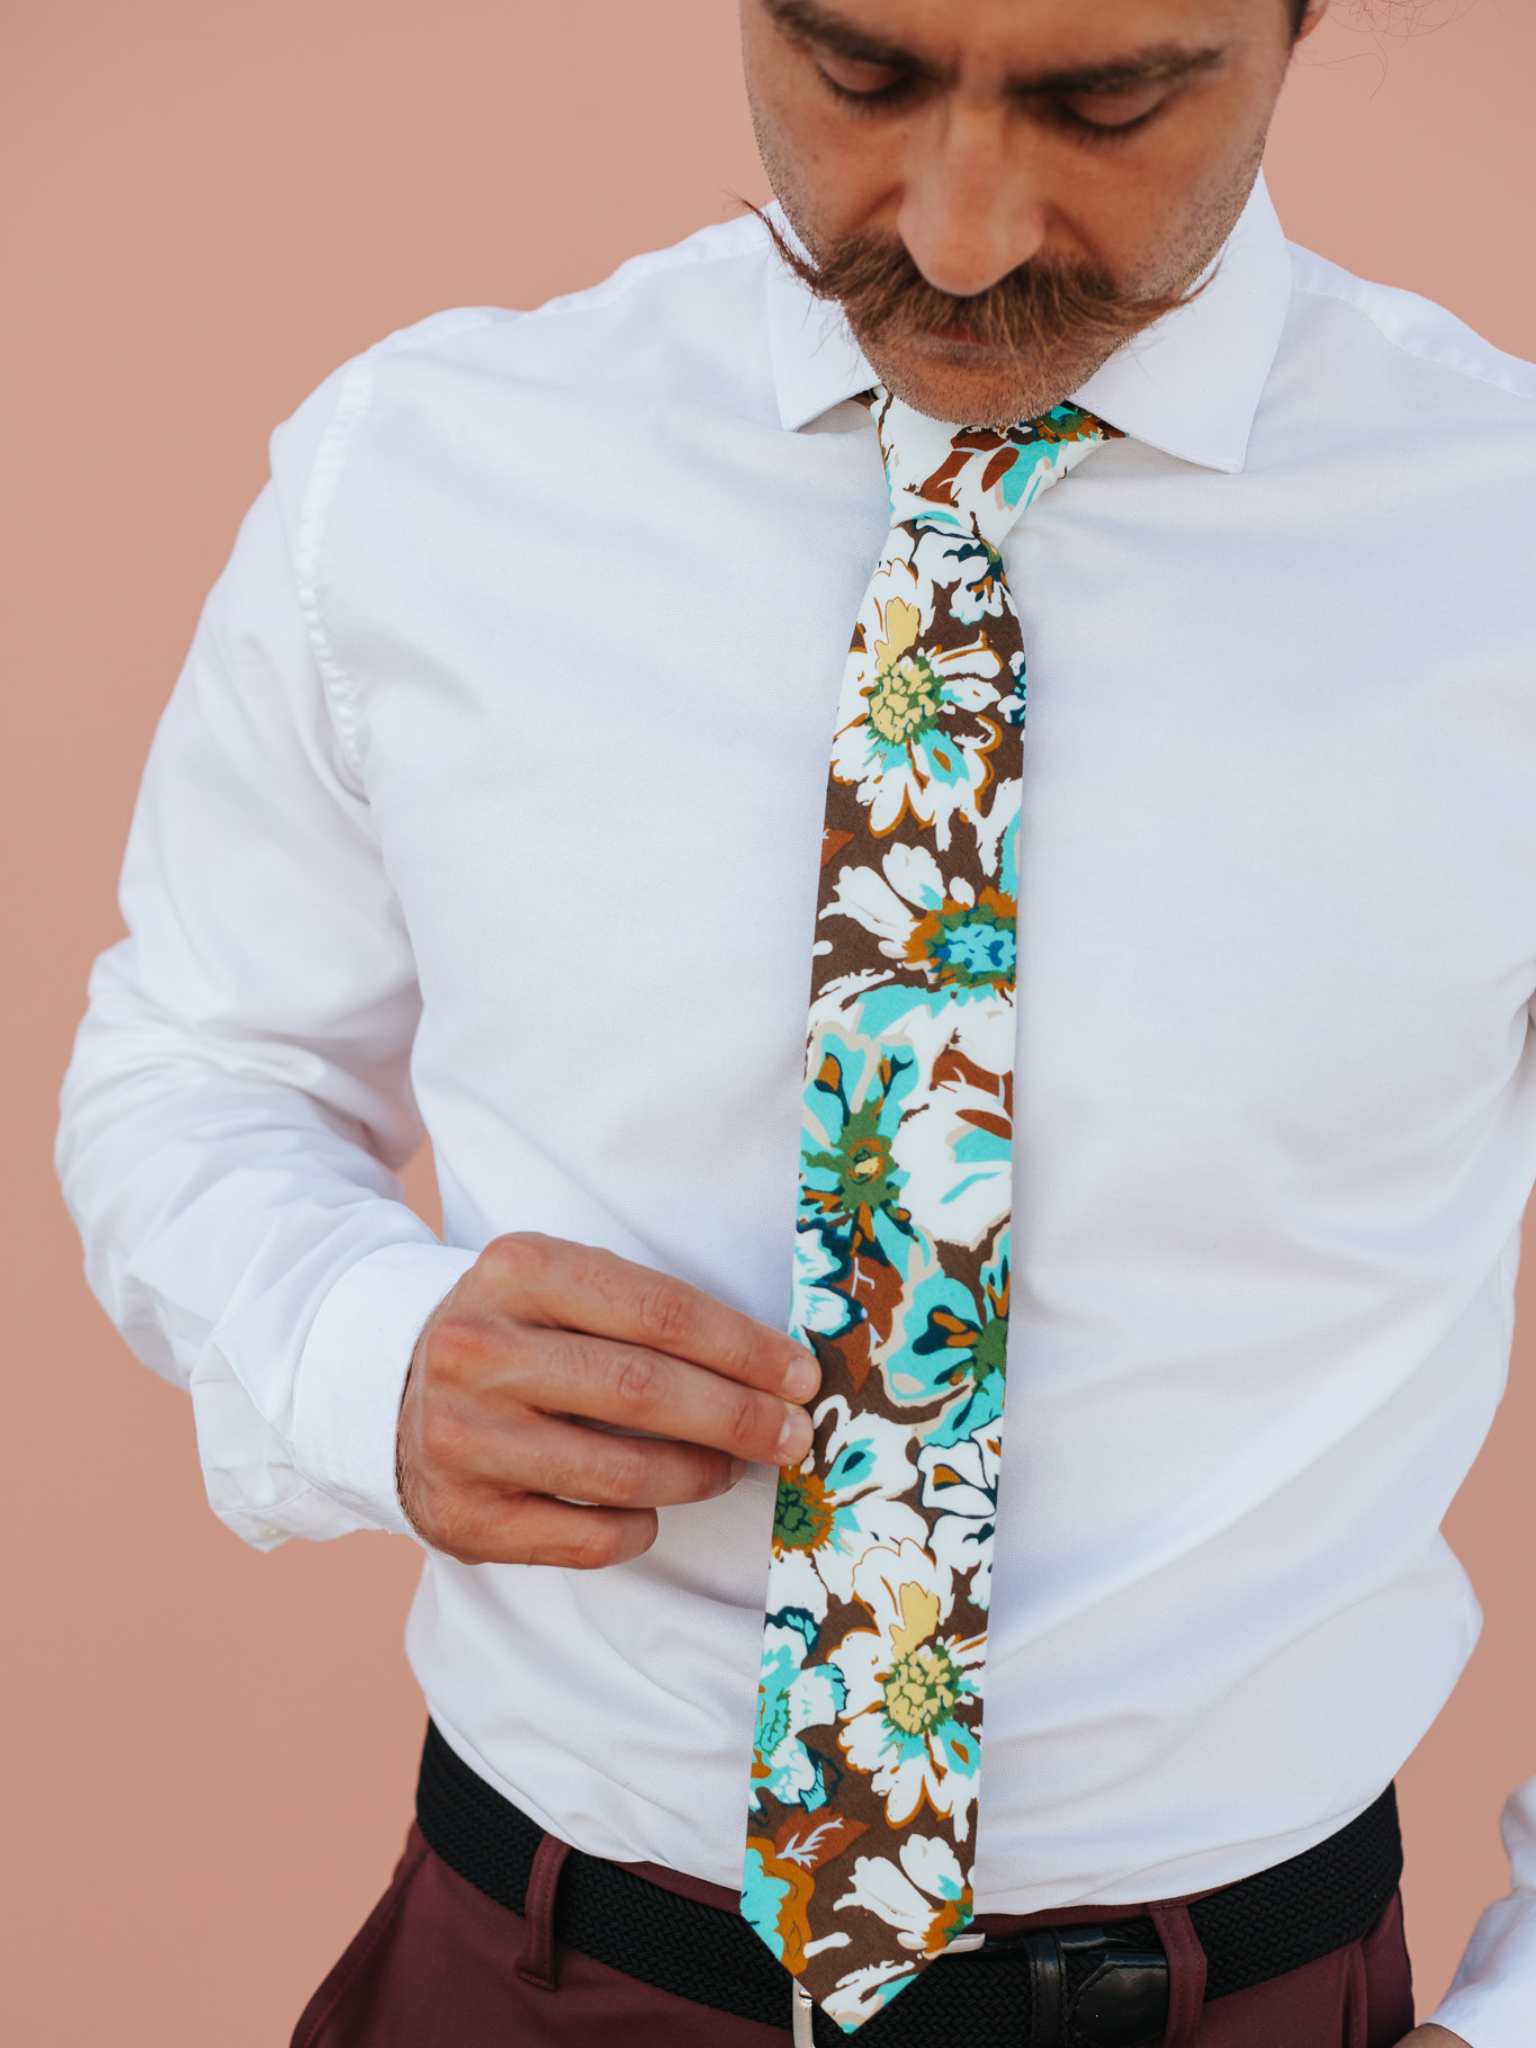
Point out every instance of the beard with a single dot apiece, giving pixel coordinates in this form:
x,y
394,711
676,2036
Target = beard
x,y
1016,349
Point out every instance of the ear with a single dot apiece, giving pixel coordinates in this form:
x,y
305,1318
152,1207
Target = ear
x,y
1316,9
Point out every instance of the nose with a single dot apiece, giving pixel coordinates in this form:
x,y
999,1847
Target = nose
x,y
971,210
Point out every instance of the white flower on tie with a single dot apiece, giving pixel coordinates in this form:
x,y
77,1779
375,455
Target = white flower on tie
x,y
926,1898
862,1993
954,944
917,741
955,1150
910,1697
968,568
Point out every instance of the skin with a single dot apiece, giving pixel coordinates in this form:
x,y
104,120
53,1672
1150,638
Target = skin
x,y
1125,134
982,136
497,1460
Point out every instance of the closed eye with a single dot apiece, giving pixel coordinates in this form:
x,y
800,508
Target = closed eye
x,y
1112,113
867,86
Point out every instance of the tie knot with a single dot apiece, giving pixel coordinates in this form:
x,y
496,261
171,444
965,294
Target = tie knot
x,y
977,478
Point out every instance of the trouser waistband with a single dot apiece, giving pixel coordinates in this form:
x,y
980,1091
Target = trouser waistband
x,y
1133,1978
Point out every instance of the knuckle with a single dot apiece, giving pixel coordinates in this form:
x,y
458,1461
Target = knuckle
x,y
591,1548
736,1360
636,1380
621,1475
664,1311
454,1348
501,1260
747,1420
519,1262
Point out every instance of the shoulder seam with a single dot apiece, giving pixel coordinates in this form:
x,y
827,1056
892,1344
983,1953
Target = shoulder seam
x,y
319,490
1418,355
453,320
353,401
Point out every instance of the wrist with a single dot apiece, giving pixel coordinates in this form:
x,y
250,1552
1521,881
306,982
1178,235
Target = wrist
x,y
353,1374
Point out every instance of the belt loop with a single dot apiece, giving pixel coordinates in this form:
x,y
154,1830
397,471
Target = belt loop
x,y
1186,1971
1047,2017
536,1965
1356,1998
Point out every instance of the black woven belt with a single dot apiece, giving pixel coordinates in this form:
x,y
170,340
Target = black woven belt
x,y
1070,1987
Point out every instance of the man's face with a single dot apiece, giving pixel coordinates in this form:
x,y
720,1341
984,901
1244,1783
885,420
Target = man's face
x,y
1085,158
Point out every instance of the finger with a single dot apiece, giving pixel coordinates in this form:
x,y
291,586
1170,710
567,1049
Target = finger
x,y
488,1526
578,1287
549,1456
565,1373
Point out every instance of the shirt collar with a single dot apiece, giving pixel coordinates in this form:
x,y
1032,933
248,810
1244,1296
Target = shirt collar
x,y
1190,385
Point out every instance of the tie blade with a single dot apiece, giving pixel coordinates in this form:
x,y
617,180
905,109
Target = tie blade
x,y
894,1930
857,1872
868,1744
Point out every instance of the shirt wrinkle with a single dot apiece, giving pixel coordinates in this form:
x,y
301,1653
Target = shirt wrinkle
x,y
569,616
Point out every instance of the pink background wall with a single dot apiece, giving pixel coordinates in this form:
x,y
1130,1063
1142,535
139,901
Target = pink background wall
x,y
204,206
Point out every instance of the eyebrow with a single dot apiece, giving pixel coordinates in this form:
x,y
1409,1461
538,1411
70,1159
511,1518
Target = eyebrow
x,y
1160,64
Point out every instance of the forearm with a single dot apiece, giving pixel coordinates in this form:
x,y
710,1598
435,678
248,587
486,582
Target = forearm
x,y
221,1212
240,1091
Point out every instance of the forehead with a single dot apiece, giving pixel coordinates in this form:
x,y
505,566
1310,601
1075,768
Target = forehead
x,y
1038,34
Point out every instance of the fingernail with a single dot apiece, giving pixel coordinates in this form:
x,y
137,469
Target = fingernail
x,y
795,1437
802,1379
738,1472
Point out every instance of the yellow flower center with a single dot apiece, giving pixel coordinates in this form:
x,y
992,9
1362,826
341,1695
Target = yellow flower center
x,y
869,1162
905,696
922,1689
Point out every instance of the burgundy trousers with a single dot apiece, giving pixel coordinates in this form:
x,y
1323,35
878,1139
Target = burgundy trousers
x,y
437,1965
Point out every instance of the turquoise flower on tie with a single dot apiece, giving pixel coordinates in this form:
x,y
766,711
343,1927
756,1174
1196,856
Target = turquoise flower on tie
x,y
850,1186
831,1509
955,1351
792,1696
883,1535
946,941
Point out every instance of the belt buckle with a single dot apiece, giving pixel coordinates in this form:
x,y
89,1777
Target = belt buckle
x,y
1122,2001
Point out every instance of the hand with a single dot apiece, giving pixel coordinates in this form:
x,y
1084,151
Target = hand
x,y
1432,2037
496,1458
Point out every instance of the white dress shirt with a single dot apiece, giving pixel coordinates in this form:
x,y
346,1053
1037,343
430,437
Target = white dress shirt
x,y
489,806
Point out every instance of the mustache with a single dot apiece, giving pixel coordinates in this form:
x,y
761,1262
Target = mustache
x,y
1034,310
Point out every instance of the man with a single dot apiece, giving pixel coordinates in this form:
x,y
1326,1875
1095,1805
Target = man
x,y
497,784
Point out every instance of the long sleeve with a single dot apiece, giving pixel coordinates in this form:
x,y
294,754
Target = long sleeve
x,y
240,1092
1490,2002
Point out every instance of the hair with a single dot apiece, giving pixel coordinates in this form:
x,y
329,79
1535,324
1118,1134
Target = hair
x,y
1386,17
1035,308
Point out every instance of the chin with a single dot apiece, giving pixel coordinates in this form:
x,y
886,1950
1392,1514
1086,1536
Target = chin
x,y
969,386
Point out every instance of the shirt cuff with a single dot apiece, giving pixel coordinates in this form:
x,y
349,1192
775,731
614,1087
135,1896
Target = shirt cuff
x,y
352,1374
1491,2001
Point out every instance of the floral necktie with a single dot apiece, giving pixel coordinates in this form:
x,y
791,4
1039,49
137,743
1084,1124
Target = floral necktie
x,y
868,1742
